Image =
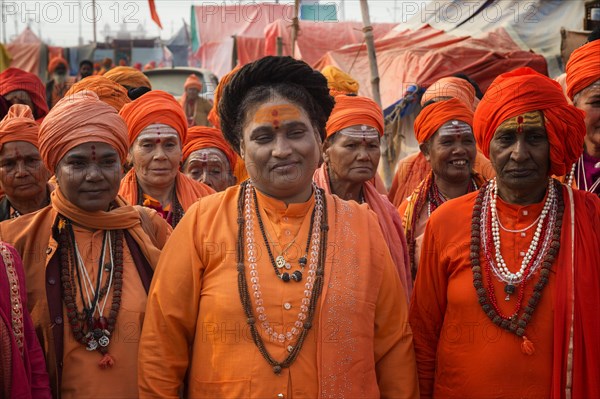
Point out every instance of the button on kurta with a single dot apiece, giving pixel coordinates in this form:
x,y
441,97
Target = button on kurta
x,y
287,306
280,395
58,320
51,280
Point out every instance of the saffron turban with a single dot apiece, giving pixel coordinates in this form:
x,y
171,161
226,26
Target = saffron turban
x,y
192,82
19,125
339,81
128,77
55,62
433,116
108,91
352,111
452,87
77,119
583,68
154,107
14,79
213,115
525,90
200,137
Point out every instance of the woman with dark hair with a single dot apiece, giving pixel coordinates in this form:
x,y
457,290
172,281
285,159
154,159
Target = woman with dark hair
x,y
328,315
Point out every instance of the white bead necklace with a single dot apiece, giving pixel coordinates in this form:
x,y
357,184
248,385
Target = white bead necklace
x,y
500,267
315,248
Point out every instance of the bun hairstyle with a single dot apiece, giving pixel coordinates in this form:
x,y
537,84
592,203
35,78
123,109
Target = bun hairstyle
x,y
263,79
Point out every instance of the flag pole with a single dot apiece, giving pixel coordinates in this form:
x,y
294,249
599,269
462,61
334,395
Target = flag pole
x,y
295,27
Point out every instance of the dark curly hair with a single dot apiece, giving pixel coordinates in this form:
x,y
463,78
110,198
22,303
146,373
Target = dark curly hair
x,y
257,82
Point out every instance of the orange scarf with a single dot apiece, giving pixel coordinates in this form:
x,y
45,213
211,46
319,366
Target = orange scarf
x,y
188,190
389,221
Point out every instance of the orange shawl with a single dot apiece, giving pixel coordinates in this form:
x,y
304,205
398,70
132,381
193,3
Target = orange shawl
x,y
188,190
389,221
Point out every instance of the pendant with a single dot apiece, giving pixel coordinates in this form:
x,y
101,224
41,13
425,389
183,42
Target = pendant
x,y
280,262
288,266
104,340
509,289
92,344
297,276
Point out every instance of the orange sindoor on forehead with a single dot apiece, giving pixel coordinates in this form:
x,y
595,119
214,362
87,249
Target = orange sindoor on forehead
x,y
277,114
517,123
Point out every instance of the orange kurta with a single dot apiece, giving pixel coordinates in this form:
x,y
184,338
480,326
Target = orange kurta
x,y
359,346
460,352
414,168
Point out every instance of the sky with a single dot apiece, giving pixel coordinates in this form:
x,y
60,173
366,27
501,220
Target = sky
x,y
64,22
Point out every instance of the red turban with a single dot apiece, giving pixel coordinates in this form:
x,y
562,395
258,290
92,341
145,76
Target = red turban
x,y
108,91
192,82
128,77
583,68
78,119
354,110
452,87
14,79
433,116
19,125
55,62
525,90
200,137
154,107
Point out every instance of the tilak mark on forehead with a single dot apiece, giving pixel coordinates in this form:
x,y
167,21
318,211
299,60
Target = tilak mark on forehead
x,y
276,115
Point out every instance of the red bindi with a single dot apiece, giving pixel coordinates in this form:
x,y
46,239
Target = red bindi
x,y
157,141
274,113
520,124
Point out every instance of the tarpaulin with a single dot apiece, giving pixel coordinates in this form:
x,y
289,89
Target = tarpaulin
x,y
249,49
25,51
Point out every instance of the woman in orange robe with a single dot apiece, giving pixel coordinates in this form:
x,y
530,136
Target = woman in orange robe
x,y
507,291
157,129
351,155
89,256
271,288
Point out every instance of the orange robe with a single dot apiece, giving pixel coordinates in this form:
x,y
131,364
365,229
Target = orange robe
x,y
414,168
31,235
188,190
360,344
460,352
389,221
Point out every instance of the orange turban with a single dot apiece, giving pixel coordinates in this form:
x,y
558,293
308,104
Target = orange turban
x,y
433,116
77,119
354,110
583,68
128,77
14,79
55,62
452,87
200,137
339,81
19,125
108,91
213,115
192,82
154,107
525,90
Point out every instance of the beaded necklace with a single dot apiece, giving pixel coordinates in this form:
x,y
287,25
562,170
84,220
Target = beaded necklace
x,y
92,332
314,281
544,255
16,306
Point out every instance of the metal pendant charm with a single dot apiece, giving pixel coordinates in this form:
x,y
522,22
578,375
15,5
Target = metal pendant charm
x,y
92,345
280,262
104,340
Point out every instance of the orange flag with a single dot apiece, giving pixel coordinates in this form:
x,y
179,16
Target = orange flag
x,y
153,13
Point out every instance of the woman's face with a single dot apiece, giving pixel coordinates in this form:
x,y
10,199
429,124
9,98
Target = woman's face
x,y
281,149
156,154
352,158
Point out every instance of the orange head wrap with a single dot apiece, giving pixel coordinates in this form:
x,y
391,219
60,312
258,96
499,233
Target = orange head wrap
x,y
213,115
154,107
19,125
583,68
192,82
525,90
200,137
433,116
14,79
452,87
128,77
108,91
77,119
55,62
339,82
352,111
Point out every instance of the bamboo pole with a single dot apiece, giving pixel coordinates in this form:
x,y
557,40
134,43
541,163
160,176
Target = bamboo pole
x,y
385,168
94,19
295,27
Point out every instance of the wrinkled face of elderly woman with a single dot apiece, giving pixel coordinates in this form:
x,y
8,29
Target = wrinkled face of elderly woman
x,y
281,149
211,167
352,154
23,176
588,100
156,154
